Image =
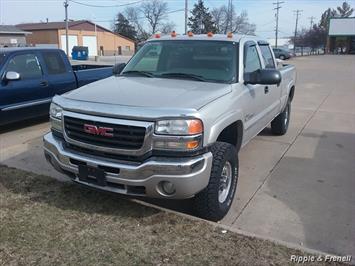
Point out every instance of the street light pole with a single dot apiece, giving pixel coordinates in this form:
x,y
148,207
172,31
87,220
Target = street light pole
x,y
66,4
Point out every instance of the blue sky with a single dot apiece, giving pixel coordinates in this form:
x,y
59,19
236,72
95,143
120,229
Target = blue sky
x,y
260,12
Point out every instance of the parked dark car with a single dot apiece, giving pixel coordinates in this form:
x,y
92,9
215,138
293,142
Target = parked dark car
x,y
282,54
30,77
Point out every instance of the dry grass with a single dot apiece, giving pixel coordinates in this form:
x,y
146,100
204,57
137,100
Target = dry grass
x,y
45,222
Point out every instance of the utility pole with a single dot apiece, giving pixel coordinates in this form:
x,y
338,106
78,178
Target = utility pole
x,y
186,15
66,4
229,17
298,12
277,8
311,19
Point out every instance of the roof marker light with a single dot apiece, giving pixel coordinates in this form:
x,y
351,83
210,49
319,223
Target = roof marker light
x,y
173,34
157,35
230,35
210,34
190,34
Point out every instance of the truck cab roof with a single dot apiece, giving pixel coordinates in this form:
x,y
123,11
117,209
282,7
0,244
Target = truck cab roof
x,y
19,49
205,37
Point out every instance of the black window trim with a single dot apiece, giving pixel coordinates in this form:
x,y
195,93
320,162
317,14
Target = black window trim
x,y
268,46
247,45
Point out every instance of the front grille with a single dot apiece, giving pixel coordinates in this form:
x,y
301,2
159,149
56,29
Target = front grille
x,y
124,136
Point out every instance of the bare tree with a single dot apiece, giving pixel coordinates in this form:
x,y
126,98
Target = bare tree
x,y
167,27
227,20
155,12
219,18
242,25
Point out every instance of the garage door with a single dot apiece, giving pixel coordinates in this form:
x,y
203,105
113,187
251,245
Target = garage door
x,y
91,43
72,41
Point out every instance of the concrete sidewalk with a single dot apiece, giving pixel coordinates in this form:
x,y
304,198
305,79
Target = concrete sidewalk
x,y
297,188
300,188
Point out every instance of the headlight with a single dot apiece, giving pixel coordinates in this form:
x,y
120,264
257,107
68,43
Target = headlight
x,y
55,111
178,134
179,127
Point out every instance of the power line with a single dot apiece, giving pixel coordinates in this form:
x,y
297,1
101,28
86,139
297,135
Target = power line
x,y
298,12
277,8
139,18
110,6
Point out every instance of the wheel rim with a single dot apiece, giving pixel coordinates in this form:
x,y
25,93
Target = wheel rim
x,y
286,116
225,183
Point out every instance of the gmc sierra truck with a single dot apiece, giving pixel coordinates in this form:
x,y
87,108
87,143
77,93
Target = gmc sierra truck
x,y
171,122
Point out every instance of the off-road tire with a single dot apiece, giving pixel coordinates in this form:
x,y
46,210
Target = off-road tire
x,y
206,203
279,125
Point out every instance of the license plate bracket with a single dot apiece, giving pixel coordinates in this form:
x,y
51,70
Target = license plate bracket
x,y
93,175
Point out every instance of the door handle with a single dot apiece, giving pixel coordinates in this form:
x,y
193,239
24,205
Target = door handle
x,y
44,83
266,89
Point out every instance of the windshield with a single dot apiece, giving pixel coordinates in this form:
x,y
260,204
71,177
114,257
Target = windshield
x,y
210,61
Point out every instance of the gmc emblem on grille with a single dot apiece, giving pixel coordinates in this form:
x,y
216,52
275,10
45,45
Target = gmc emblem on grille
x,y
100,131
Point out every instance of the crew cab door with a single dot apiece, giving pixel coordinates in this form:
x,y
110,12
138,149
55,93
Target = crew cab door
x,y
59,74
253,95
27,96
272,93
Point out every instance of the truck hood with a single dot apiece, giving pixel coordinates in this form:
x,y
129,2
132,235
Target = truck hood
x,y
150,92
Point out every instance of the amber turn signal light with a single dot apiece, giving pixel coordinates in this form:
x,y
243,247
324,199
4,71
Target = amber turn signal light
x,y
192,144
195,127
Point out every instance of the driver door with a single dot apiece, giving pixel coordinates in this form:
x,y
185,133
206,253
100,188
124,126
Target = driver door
x,y
253,94
27,96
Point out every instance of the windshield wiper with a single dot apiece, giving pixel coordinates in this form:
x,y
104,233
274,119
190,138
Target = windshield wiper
x,y
136,72
183,75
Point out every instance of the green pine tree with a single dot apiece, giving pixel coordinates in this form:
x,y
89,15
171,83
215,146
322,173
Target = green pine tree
x,y
124,28
201,20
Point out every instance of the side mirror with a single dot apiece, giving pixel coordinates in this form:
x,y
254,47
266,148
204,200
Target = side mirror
x,y
117,69
12,75
263,77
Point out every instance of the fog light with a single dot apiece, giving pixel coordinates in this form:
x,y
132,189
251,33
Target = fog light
x,y
167,187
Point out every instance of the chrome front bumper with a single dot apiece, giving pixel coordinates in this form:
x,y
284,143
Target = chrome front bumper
x,y
189,175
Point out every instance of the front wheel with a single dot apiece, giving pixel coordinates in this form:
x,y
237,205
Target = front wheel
x,y
282,57
280,123
214,202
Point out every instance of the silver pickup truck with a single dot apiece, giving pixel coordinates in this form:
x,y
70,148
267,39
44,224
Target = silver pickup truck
x,y
171,122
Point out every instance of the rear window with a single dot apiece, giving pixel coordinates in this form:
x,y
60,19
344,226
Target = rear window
x,y
54,63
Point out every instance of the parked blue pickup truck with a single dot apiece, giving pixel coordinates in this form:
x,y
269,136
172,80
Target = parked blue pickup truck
x,y
30,77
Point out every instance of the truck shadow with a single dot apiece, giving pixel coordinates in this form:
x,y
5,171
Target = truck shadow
x,y
23,124
67,196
